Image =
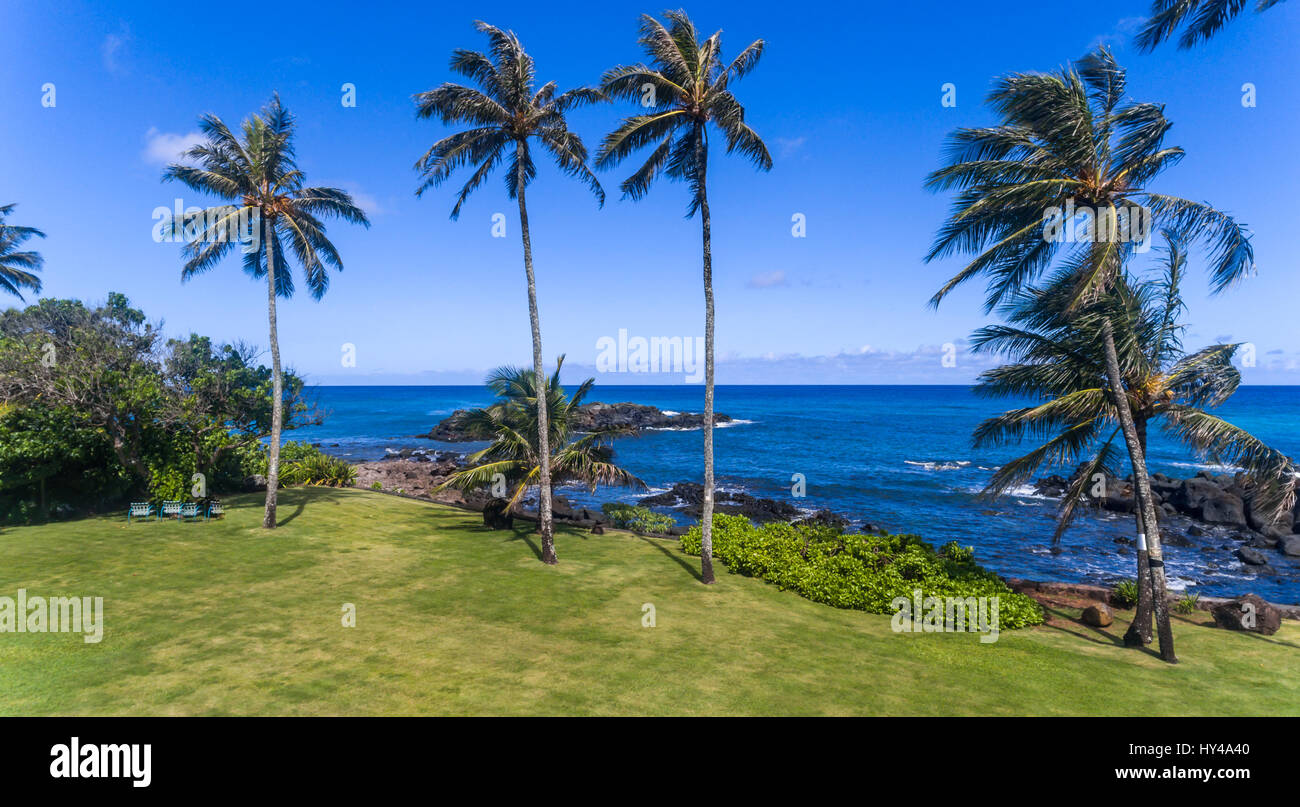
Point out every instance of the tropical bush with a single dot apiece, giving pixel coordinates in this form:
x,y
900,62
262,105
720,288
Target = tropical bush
x,y
1187,603
635,517
319,469
305,464
858,571
1126,593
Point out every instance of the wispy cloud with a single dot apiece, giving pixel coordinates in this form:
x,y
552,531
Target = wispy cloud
x,y
1122,34
767,280
162,148
787,146
113,48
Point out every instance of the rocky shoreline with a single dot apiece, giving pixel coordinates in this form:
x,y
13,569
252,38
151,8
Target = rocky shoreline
x,y
591,417
1213,511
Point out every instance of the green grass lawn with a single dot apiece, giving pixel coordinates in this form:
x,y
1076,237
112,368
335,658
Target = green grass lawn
x,y
224,618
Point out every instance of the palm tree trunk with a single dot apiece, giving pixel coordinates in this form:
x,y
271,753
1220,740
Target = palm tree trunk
x,y
706,517
1139,632
1142,485
544,524
277,386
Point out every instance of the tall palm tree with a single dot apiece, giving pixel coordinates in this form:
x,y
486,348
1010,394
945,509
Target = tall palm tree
x,y
18,267
506,114
1069,140
1055,358
686,87
516,450
1204,19
256,172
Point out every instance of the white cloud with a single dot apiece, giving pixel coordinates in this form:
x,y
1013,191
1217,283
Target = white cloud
x,y
767,280
162,148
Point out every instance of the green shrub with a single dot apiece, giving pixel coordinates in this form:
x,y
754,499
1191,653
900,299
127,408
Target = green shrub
x,y
1126,593
634,517
862,572
1187,603
319,469
376,485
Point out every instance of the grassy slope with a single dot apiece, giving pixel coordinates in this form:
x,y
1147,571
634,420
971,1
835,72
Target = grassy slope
x,y
222,618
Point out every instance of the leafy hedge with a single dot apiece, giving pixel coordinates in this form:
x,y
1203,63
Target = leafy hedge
x,y
862,572
635,517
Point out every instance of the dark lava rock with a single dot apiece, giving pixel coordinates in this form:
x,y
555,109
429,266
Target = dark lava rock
x,y
497,515
1250,556
589,417
1248,613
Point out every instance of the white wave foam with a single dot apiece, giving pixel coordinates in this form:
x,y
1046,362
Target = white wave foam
x,y
941,465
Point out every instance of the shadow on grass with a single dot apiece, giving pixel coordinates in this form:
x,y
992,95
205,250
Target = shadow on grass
x,y
1210,623
523,535
1064,623
678,559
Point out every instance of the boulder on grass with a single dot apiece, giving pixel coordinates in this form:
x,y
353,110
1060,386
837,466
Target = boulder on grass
x,y
1098,616
497,515
1249,613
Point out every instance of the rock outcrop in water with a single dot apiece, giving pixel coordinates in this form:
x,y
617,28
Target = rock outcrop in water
x,y
593,416
1208,508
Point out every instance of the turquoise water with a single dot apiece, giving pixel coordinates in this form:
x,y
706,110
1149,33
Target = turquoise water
x,y
899,457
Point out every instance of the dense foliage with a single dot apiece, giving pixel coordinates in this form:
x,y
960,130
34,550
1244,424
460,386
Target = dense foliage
x,y
633,517
859,571
96,408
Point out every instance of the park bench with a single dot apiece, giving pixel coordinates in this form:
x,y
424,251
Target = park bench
x,y
216,509
190,510
138,510
169,510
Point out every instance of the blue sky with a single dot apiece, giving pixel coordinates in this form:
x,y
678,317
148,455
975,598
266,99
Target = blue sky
x,y
848,99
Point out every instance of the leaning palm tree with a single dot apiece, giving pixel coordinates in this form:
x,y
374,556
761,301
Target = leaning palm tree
x,y
1056,358
516,448
1204,19
505,116
1069,142
18,267
255,171
686,87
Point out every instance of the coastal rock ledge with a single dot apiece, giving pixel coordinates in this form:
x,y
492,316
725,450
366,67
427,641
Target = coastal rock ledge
x,y
593,416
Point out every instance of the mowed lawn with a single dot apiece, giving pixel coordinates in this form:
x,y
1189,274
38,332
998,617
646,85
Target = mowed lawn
x,y
224,618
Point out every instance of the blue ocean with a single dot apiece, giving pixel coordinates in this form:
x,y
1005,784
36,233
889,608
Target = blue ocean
x,y
897,456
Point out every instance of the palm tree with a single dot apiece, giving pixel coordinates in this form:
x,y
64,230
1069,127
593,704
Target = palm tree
x,y
505,116
18,268
1054,358
516,450
1204,19
686,88
256,172
1069,141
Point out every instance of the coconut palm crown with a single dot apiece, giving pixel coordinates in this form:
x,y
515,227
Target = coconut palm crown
x,y
1055,357
511,425
1204,19
18,267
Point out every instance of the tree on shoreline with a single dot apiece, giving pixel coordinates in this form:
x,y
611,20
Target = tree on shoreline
x,y
1204,19
505,115
1067,142
1055,358
515,453
257,173
18,268
685,87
